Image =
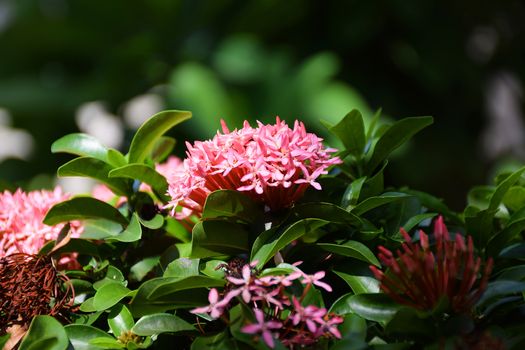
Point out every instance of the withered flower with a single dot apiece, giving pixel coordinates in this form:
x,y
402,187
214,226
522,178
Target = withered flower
x,y
30,285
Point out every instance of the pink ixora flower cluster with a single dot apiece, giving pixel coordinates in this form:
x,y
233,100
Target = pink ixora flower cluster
x,y
278,314
422,275
273,164
21,216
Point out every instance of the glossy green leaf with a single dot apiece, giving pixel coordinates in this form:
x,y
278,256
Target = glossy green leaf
x,y
182,267
79,208
162,148
353,249
3,340
351,195
81,335
360,284
116,159
96,169
396,135
120,320
219,341
374,202
132,233
267,245
500,288
161,323
374,307
45,333
100,229
81,145
513,228
217,238
139,270
211,269
231,204
144,174
148,134
154,223
351,131
109,295
167,293
107,343
416,220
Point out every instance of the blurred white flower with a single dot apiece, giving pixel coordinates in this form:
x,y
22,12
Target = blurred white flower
x,y
16,143
140,108
92,118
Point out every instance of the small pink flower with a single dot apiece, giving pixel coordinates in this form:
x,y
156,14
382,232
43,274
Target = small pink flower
x,y
273,164
21,226
315,279
216,307
262,327
245,282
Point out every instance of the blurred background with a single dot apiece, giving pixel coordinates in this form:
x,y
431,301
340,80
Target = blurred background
x,y
104,67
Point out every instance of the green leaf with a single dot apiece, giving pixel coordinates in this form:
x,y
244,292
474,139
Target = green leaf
x,y
109,295
3,340
148,134
156,222
100,229
82,145
81,335
167,293
500,288
162,149
268,244
219,341
217,238
182,267
231,204
351,195
374,202
139,270
374,307
351,131
480,223
96,169
416,220
45,333
360,284
144,174
513,228
116,159
107,343
120,320
132,233
211,269
396,135
79,208
161,323
353,249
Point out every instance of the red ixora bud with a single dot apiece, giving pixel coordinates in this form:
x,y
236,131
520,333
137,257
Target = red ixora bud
x,y
422,275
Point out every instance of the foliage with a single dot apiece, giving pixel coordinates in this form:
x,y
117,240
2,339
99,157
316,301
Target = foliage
x,y
146,280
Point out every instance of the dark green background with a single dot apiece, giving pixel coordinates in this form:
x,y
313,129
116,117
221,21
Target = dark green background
x,y
253,60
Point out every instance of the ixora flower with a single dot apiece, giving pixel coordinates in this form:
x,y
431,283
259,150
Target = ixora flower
x,y
21,216
273,164
421,275
277,316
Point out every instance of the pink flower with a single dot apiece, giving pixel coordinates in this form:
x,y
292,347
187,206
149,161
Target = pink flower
x,y
21,216
216,307
262,327
421,276
245,283
315,279
273,164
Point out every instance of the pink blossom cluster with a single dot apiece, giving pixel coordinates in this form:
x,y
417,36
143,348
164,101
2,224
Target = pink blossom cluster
x,y
21,216
273,164
278,314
